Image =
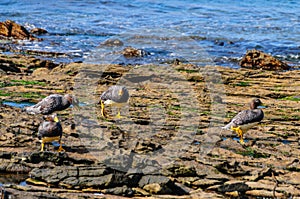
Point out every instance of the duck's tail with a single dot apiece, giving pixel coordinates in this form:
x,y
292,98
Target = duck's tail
x,y
31,110
227,127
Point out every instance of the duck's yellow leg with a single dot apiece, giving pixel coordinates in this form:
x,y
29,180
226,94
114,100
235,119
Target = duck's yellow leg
x,y
42,146
102,109
51,139
118,116
239,132
60,147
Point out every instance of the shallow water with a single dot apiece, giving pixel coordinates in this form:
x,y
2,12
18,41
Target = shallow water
x,y
206,31
13,179
17,104
25,104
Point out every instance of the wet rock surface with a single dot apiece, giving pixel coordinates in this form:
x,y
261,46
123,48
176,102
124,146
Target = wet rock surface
x,y
168,143
38,31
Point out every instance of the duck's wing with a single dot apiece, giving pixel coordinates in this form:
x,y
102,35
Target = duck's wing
x,y
46,106
124,97
108,94
246,117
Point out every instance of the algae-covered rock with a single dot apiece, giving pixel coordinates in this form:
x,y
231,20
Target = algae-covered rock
x,y
255,59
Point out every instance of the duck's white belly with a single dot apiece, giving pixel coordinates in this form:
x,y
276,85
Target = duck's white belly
x,y
246,127
113,103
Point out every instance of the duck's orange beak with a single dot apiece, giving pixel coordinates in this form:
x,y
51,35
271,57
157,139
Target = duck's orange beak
x,y
120,92
56,119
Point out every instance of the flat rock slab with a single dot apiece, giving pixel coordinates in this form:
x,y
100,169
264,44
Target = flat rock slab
x,y
169,143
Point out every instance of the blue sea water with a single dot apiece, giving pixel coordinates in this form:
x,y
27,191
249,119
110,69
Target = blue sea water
x,y
198,31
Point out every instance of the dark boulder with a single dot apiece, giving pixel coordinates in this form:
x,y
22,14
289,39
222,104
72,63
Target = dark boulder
x,y
130,52
240,187
112,42
38,31
256,59
124,191
20,63
9,66
158,184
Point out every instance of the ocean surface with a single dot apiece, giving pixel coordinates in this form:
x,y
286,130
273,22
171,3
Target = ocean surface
x,y
203,32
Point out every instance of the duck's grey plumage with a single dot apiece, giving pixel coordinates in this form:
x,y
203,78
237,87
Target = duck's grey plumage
x,y
246,119
247,116
115,96
112,93
49,128
52,103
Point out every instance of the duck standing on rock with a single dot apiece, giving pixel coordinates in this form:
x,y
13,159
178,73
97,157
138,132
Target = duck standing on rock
x,y
50,130
246,119
52,103
114,96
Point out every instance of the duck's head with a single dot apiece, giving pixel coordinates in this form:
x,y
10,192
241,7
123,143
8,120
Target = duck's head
x,y
51,118
120,93
255,103
73,100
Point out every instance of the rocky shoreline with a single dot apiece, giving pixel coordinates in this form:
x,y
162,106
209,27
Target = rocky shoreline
x,y
168,145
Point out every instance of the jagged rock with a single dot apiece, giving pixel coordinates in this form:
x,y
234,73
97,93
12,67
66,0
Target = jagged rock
x,y
291,178
233,168
38,31
9,28
83,177
160,185
120,162
13,166
146,146
98,182
20,63
153,188
257,175
7,155
181,170
204,183
187,180
265,194
93,171
56,158
129,52
141,191
9,67
43,64
36,192
151,179
240,187
112,42
255,59
121,191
